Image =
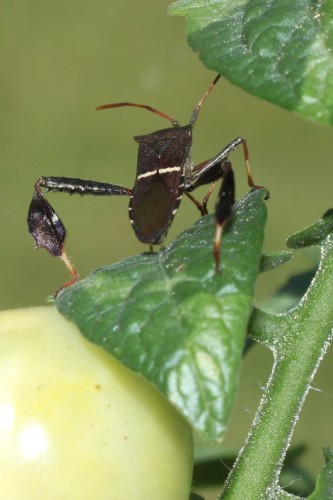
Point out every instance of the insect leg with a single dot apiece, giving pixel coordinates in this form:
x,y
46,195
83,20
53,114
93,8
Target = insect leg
x,y
225,199
202,170
46,227
224,203
202,207
83,187
200,175
210,171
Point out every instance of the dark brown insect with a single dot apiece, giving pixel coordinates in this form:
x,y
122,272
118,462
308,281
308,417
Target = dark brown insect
x,y
164,173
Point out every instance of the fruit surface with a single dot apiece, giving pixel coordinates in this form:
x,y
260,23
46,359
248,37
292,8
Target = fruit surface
x,y
76,425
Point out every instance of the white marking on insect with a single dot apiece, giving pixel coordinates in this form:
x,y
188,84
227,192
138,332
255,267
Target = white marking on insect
x,y
147,174
166,170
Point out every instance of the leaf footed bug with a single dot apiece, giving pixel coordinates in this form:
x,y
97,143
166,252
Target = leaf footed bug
x,y
164,173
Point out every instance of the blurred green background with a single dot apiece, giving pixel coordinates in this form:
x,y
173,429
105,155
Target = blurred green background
x,y
61,59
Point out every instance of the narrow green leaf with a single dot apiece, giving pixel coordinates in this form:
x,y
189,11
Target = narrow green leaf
x,y
272,260
324,485
169,316
280,51
313,234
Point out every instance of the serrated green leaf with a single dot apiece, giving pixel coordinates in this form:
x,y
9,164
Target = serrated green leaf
x,y
169,316
281,51
313,234
324,484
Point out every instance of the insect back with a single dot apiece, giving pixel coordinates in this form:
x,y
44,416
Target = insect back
x,y
159,187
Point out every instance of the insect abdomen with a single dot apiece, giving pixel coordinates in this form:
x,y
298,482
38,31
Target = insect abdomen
x,y
153,205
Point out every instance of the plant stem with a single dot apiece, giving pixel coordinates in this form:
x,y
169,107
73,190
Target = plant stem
x,y
302,339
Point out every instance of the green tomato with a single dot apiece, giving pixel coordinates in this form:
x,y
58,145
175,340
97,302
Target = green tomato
x,y
76,425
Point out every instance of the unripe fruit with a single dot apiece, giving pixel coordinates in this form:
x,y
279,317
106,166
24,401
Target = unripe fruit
x,y
76,425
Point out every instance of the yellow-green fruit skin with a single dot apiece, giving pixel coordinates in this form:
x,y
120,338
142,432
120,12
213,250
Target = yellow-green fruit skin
x,y
76,425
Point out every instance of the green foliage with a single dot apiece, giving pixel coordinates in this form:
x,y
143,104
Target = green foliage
x,y
298,339
324,486
214,464
280,51
169,316
314,234
272,260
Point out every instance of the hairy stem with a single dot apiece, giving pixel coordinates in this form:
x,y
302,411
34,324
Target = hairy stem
x,y
302,337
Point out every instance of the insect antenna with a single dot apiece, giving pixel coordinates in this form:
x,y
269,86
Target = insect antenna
x,y
203,98
174,122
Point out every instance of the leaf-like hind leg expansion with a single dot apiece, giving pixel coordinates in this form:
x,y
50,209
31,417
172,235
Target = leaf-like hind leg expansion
x,y
46,227
212,170
223,209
